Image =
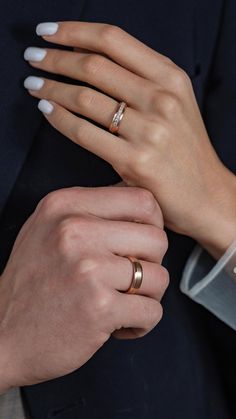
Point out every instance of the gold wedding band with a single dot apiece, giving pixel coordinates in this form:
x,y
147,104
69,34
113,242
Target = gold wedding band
x,y
137,275
117,118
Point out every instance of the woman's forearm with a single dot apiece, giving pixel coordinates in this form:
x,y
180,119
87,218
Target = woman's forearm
x,y
215,225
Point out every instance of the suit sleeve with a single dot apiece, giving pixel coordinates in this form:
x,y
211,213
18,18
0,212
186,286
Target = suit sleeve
x,y
213,285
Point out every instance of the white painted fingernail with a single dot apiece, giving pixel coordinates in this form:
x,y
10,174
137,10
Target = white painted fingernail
x,y
45,106
47,28
33,83
34,54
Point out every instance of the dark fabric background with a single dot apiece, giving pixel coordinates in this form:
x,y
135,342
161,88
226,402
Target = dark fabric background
x,y
185,368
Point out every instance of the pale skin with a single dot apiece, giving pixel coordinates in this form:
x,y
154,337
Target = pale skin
x,y
163,144
66,251
63,292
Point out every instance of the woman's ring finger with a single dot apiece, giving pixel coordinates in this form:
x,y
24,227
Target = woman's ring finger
x,y
88,103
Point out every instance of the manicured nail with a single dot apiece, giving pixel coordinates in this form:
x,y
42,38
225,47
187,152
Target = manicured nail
x,y
33,83
34,54
45,106
47,28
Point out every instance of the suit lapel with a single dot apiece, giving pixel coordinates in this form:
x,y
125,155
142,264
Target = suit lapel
x,y
19,118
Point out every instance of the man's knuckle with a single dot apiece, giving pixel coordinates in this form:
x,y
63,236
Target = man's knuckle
x,y
98,301
164,277
153,314
71,231
51,203
155,234
164,240
156,314
159,218
147,202
88,269
103,303
159,313
64,236
158,238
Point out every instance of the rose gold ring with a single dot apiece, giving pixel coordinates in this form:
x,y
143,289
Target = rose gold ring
x,y
117,118
137,275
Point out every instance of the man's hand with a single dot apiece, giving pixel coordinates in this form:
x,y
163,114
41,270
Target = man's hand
x,y
61,292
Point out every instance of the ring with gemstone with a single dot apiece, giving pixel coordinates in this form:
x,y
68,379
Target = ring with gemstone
x,y
117,118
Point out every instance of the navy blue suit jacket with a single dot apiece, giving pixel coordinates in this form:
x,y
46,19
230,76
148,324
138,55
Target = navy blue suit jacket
x,y
185,368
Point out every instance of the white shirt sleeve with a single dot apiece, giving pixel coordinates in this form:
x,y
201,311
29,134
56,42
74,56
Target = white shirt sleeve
x,y
212,284
11,406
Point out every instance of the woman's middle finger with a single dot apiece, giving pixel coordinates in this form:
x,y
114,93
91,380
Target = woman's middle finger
x,y
87,102
95,70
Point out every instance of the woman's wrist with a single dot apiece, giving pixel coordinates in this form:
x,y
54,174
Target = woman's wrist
x,y
215,230
219,241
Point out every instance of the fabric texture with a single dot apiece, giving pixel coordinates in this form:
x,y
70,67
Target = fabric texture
x,y
11,406
212,284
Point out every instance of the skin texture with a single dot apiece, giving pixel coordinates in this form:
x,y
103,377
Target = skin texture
x,y
163,145
63,292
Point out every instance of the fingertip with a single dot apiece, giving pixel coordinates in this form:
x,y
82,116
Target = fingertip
x,y
47,29
33,83
45,106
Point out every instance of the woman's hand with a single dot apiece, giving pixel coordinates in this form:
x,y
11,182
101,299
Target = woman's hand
x,y
163,144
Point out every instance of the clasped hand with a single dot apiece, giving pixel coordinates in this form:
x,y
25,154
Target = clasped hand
x,y
62,293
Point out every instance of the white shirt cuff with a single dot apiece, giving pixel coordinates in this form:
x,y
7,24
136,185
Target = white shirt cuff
x,y
211,284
